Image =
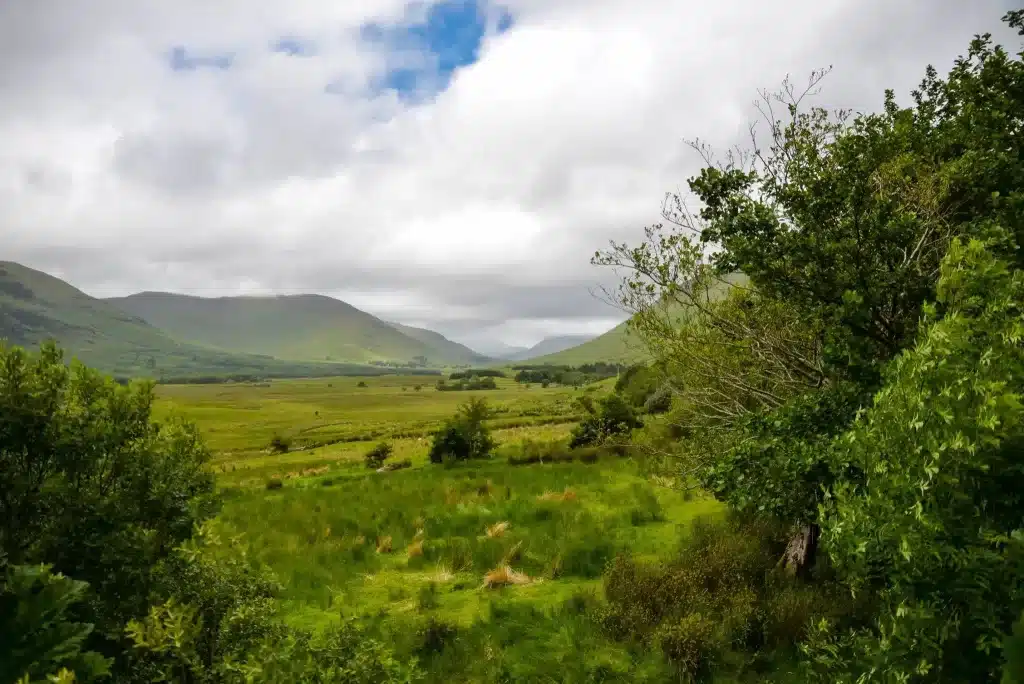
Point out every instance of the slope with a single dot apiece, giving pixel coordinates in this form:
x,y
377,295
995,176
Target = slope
x,y
35,306
441,347
294,327
617,345
550,345
620,344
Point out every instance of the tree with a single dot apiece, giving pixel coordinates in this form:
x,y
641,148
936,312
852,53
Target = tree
x,y
464,436
612,416
92,486
376,456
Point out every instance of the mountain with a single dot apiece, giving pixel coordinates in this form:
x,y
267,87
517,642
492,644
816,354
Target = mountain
x,y
551,345
616,345
292,327
622,346
500,350
441,346
35,306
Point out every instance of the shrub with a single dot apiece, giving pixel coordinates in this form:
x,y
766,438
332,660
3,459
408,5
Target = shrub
x,y
361,383
280,444
376,456
692,644
38,633
660,401
464,436
275,483
91,485
427,599
611,416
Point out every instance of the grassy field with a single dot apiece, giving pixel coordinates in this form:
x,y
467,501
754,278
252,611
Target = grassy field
x,y
417,552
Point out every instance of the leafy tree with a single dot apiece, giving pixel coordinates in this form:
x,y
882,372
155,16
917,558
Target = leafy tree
x,y
90,485
38,632
611,417
376,456
465,435
935,528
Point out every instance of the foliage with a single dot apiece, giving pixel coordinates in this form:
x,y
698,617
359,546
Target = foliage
x,y
376,456
38,632
476,373
89,484
465,436
659,401
574,376
934,528
471,383
280,444
611,417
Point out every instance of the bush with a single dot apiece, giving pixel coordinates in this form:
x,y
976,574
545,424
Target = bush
x,y
92,486
361,383
376,456
464,436
280,444
693,645
660,401
275,483
38,633
611,417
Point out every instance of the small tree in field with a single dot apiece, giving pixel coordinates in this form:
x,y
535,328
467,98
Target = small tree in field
x,y
465,436
377,455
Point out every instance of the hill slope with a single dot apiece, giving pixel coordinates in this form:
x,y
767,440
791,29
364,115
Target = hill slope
x,y
35,306
616,345
293,327
619,344
550,345
442,348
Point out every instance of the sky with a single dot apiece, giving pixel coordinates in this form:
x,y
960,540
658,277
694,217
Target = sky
x,y
448,164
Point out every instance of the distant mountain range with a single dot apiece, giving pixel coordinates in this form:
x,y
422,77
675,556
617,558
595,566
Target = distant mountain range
x,y
293,327
160,334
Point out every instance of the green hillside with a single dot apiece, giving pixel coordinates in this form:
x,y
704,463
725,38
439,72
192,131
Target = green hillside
x,y
294,327
441,347
619,344
616,345
35,306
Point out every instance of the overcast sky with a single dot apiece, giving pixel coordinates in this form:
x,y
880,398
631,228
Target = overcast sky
x,y
451,164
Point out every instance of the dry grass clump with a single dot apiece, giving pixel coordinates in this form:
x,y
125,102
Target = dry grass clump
x,y
415,549
443,574
568,495
384,544
498,529
503,576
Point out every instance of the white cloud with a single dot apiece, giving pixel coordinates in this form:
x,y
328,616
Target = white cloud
x,y
476,212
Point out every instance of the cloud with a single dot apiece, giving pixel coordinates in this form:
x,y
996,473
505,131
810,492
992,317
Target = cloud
x,y
449,164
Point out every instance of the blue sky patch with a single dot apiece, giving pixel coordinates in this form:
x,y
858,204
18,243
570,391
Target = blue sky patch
x,y
181,60
448,36
294,47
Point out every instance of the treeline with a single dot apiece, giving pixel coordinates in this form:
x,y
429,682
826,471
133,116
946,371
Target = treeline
x,y
472,383
476,373
847,374
566,375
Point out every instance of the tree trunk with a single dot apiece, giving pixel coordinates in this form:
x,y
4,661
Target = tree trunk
x,y
802,550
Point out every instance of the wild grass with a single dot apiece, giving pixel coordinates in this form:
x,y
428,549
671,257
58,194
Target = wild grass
x,y
483,571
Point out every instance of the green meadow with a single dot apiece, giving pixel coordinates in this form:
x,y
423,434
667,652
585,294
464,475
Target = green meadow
x,y
484,571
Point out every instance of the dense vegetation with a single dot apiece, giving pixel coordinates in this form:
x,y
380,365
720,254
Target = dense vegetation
x,y
854,401
574,376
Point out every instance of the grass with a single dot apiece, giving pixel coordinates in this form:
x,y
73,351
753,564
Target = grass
x,y
484,571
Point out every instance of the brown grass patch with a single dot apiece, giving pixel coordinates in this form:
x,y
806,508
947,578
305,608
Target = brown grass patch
x,y
503,576
384,544
498,529
415,549
568,495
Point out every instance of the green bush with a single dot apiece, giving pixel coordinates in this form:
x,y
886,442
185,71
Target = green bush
x,y
279,444
39,634
465,436
612,416
274,483
376,456
92,486
693,645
